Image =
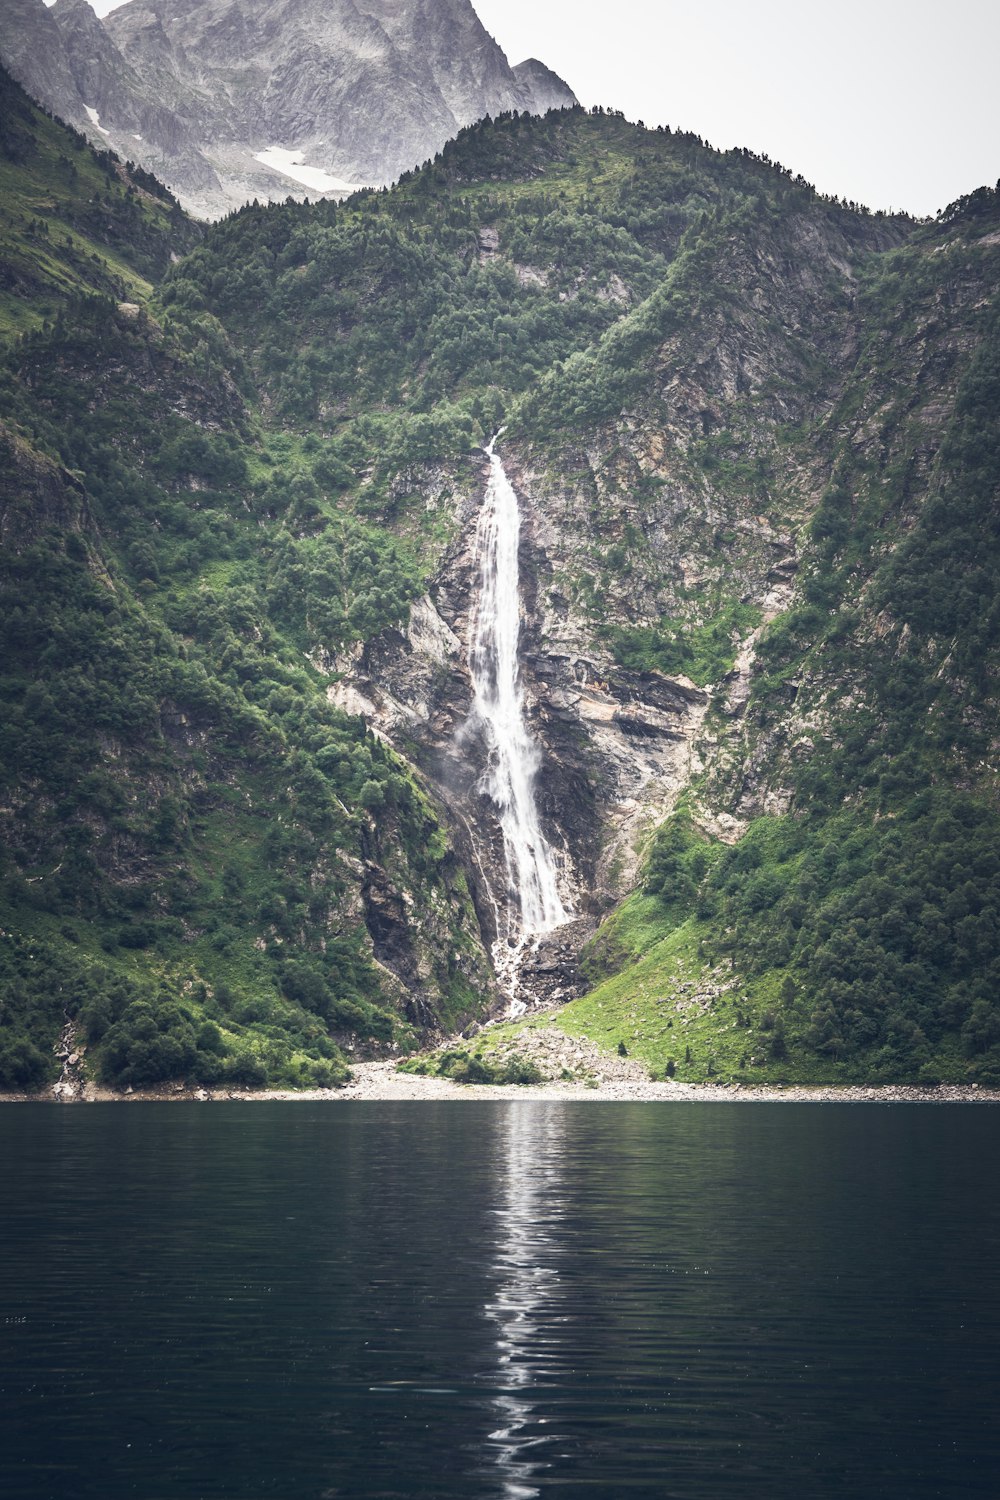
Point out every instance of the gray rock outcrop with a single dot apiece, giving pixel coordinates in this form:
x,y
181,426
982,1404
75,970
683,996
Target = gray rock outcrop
x,y
229,100
546,89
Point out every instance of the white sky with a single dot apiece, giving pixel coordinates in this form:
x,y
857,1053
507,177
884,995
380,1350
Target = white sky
x,y
895,103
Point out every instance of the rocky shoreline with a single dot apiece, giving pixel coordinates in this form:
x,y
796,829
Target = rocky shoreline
x,y
377,1081
571,1068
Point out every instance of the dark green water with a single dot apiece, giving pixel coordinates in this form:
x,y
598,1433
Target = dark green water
x,y
467,1299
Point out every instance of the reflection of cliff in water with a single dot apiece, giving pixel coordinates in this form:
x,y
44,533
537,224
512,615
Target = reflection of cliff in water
x,y
528,1300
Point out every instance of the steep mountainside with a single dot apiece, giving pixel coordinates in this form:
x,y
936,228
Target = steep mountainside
x,y
74,220
545,89
190,854
753,436
231,101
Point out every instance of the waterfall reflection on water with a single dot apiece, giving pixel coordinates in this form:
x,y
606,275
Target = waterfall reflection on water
x,y
527,1303
533,905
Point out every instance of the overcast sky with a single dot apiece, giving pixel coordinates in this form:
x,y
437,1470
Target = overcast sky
x,y
894,103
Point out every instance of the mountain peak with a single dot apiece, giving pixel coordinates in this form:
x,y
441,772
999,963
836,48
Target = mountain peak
x,y
228,100
547,89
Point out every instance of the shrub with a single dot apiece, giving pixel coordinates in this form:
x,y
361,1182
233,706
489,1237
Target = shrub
x,y
245,1070
519,1070
22,1065
151,1042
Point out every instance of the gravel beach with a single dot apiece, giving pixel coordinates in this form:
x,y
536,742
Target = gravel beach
x,y
628,1084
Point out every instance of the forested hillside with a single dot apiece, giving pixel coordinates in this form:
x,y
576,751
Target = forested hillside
x,y
75,220
190,846
755,436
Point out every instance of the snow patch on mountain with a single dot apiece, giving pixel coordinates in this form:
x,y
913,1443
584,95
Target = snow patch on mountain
x,y
290,164
95,119
199,91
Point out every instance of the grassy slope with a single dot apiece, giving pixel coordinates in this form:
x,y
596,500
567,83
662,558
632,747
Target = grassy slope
x,y
74,221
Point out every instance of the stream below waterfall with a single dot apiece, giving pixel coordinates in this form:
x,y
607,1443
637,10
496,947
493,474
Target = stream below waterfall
x,y
532,904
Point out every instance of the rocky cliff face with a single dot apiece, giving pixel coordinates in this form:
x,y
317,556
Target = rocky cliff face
x,y
753,436
546,90
618,745
643,518
230,101
33,50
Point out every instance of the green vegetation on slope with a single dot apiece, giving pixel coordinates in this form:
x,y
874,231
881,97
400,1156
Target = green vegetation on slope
x,y
469,1065
530,275
443,301
824,950
187,797
74,220
704,654
213,871
191,829
854,938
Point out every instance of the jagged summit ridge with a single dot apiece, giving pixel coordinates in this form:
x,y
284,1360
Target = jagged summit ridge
x,y
228,100
547,89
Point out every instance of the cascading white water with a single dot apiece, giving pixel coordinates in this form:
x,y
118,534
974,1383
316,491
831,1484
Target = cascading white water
x,y
533,904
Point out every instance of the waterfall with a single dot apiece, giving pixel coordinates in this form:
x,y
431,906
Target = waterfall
x,y
533,905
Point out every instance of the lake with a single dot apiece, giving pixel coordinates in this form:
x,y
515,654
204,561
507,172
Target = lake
x,y
514,1299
